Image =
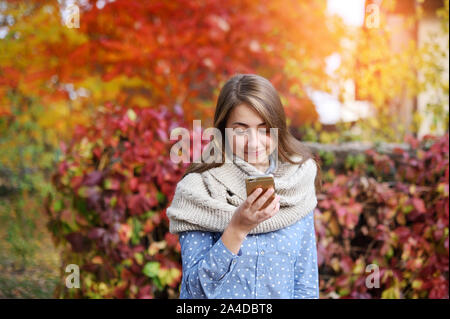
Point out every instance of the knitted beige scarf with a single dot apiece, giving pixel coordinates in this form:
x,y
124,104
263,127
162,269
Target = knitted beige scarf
x,y
206,201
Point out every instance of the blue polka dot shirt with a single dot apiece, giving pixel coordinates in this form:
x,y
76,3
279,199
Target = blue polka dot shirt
x,y
279,264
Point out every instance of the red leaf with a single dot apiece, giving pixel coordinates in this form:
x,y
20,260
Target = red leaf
x,y
419,205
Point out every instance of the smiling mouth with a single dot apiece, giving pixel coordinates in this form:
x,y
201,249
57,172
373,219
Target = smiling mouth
x,y
256,152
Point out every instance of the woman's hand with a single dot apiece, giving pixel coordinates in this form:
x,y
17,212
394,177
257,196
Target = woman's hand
x,y
249,214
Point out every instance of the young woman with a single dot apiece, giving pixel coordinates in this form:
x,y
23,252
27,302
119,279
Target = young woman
x,y
230,246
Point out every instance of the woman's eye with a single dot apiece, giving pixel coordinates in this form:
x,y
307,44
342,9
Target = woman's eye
x,y
264,130
239,131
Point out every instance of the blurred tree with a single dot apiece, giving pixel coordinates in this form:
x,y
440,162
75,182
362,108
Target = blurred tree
x,y
393,67
169,52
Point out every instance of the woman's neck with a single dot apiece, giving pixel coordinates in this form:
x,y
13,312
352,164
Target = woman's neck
x,y
261,166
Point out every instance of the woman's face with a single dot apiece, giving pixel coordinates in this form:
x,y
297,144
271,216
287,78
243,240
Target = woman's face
x,y
250,133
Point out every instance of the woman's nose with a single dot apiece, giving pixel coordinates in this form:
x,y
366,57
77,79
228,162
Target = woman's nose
x,y
253,140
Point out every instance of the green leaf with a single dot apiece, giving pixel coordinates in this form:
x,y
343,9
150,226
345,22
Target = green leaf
x,y
83,191
161,197
344,292
416,284
136,231
390,253
81,206
57,206
158,283
149,214
390,293
151,269
139,258
127,262
131,115
407,209
113,201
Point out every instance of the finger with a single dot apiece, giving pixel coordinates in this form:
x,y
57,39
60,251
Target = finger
x,y
271,209
275,210
251,198
260,202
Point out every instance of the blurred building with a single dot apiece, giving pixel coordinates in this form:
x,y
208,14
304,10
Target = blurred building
x,y
428,28
351,106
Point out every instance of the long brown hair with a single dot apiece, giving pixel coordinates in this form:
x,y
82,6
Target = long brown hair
x,y
257,92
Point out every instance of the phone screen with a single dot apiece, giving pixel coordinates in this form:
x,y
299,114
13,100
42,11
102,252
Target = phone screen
x,y
265,182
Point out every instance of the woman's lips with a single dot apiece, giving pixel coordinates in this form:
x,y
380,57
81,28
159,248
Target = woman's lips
x,y
254,153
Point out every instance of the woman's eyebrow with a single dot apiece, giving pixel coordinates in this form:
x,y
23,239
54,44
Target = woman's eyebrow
x,y
243,124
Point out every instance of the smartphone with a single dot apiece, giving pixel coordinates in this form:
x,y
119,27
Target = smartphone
x,y
263,181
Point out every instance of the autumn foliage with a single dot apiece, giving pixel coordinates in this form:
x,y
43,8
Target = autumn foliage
x,y
167,52
396,217
115,181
